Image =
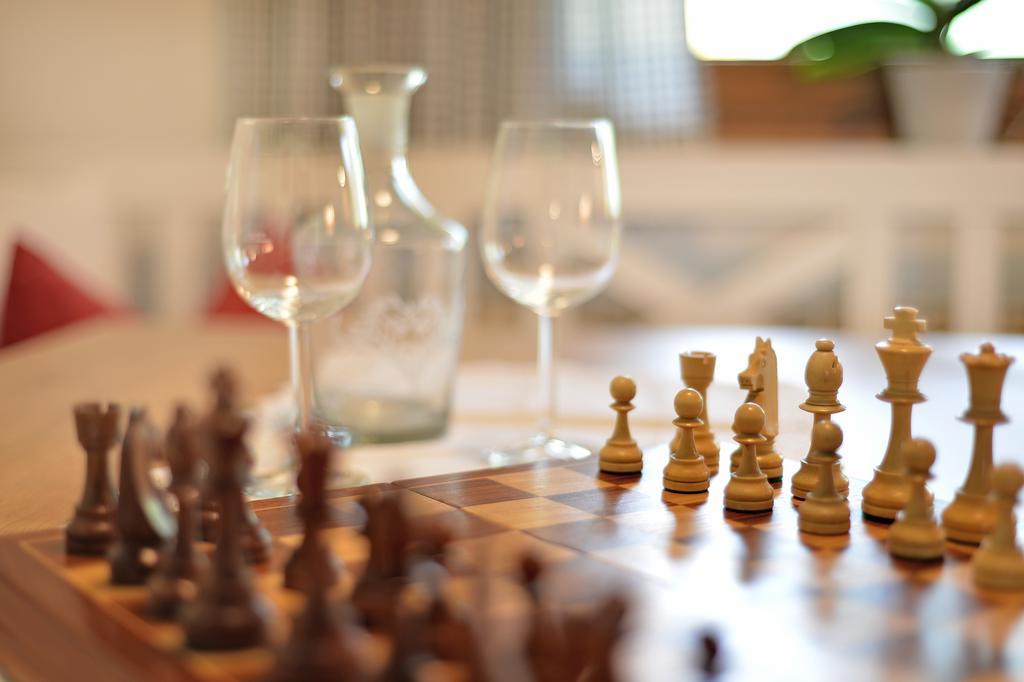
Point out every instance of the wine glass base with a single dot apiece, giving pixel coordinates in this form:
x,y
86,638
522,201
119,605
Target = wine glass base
x,y
281,482
537,449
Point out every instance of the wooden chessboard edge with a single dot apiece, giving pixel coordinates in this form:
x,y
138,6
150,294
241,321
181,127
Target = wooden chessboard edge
x,y
55,623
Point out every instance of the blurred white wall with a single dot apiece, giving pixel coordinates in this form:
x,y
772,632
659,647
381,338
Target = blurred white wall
x,y
105,106
83,79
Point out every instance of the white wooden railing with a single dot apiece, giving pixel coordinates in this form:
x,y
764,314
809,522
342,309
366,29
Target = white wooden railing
x,y
148,224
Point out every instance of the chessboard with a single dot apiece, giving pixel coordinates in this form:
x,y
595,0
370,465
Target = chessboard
x,y
711,593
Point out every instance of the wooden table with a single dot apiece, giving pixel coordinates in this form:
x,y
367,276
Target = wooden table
x,y
136,362
131,362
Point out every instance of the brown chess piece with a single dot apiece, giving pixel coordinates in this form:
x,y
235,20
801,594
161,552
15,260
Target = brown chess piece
x,y
255,538
91,530
408,647
256,541
388,530
143,522
317,649
605,634
543,646
708,658
175,580
224,386
312,565
208,511
451,637
228,613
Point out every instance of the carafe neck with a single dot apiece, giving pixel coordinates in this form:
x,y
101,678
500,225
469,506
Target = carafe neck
x,y
383,124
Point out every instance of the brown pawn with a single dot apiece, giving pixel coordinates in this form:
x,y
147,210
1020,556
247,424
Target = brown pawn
x,y
312,565
144,524
604,634
409,653
175,581
317,649
545,646
225,391
388,530
228,613
255,538
708,660
451,637
91,530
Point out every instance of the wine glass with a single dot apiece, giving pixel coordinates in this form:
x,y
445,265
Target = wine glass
x,y
550,240
297,237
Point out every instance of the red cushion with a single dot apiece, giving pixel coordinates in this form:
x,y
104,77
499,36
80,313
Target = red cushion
x,y
41,299
227,302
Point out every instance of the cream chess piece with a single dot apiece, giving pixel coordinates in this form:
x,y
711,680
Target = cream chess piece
x,y
825,511
823,376
916,535
748,489
698,370
761,379
999,563
621,454
686,471
971,516
903,356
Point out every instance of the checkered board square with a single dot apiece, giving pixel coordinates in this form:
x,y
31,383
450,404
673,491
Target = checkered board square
x,y
784,605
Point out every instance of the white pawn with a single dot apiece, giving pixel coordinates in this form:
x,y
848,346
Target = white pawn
x,y
916,535
686,471
825,511
748,489
999,563
621,454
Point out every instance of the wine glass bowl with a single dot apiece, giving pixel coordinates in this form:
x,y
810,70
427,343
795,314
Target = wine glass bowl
x,y
551,225
296,231
550,239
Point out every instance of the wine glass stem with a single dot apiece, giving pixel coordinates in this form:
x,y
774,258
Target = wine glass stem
x,y
546,374
302,377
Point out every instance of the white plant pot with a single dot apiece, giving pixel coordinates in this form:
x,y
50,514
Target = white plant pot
x,y
951,100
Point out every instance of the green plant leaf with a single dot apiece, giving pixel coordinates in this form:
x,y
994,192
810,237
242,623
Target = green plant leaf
x,y
856,49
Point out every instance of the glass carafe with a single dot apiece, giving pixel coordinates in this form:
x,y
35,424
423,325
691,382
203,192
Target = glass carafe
x,y
384,370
